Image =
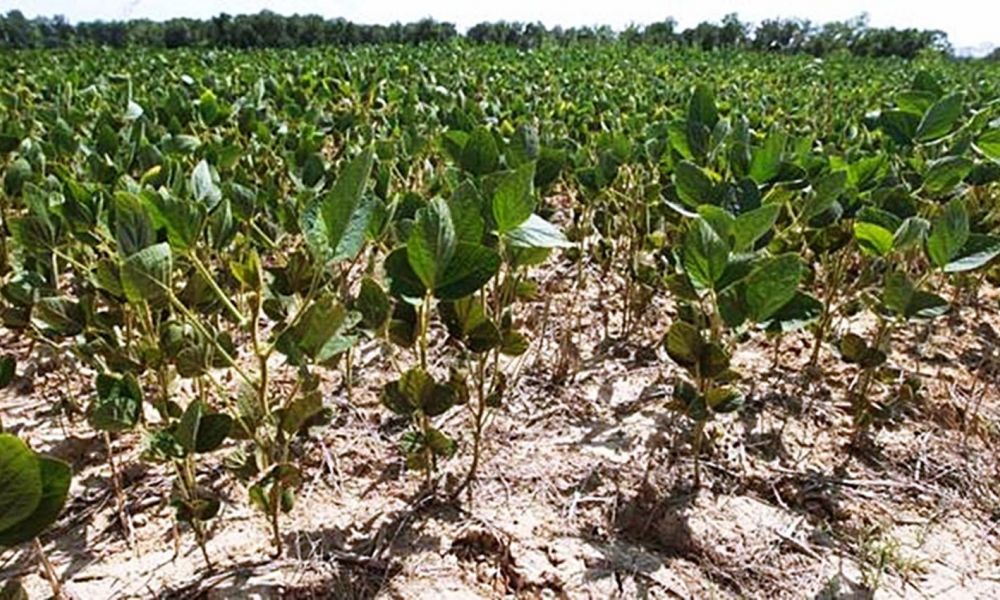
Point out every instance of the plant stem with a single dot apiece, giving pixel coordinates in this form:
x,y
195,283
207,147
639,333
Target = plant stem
x,y
204,272
349,374
4,261
50,573
424,324
479,418
189,492
116,484
275,524
833,280
54,262
860,394
699,435
196,323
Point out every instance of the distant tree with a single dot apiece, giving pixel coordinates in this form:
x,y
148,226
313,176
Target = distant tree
x,y
662,33
733,33
267,29
176,34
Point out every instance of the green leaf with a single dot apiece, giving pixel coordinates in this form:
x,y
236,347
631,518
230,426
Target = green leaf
x,y
940,118
162,446
146,275
883,218
454,142
20,482
392,397
514,198
33,234
798,312
765,162
912,232
873,239
704,255
182,219
60,315
753,225
480,155
900,125
713,361
432,242
335,225
300,411
695,186
466,205
373,304
945,173
536,232
855,349
118,405
467,322
203,186
898,292
133,225
187,428
471,267
988,143
440,444
720,219
514,343
436,399
484,336
684,343
318,334
701,108
901,297
826,191
915,101
977,252
55,478
772,285
949,233
925,305
724,399
212,432
403,281
524,146
866,172
684,394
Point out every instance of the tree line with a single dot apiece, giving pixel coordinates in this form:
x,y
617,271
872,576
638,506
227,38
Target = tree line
x,y
271,30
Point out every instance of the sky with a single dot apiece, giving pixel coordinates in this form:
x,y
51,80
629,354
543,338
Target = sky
x,y
970,24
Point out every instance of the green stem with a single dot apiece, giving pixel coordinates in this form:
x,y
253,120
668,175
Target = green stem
x,y
862,404
196,323
424,323
699,435
116,484
4,261
832,283
203,270
479,419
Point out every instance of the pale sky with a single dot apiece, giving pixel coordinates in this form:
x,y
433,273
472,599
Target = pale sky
x,y
969,23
